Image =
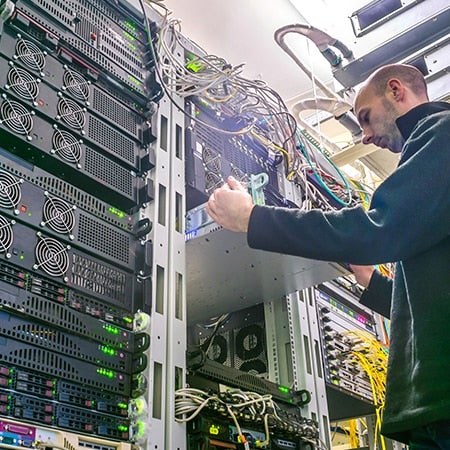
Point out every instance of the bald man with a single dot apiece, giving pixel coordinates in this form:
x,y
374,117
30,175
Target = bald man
x,y
408,222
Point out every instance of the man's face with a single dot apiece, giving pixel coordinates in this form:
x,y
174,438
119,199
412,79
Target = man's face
x,y
376,116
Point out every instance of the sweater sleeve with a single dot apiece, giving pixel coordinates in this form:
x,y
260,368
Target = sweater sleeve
x,y
378,294
409,212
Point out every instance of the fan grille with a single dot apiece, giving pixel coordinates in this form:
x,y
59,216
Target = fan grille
x,y
22,83
58,215
6,235
51,257
239,174
10,192
212,160
71,113
16,117
76,84
30,54
66,146
212,182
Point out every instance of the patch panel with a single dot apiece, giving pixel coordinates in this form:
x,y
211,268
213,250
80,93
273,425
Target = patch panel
x,y
340,321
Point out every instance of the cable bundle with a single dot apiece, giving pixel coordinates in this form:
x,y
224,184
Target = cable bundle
x,y
371,356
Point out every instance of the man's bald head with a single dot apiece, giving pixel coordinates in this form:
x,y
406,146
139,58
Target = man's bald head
x,y
390,92
378,83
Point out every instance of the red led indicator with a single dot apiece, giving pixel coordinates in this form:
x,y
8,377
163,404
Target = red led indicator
x,y
23,209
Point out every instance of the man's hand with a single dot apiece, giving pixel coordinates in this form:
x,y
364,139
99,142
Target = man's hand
x,y
363,274
230,206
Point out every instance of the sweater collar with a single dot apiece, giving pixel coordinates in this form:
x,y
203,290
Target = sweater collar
x,y
408,121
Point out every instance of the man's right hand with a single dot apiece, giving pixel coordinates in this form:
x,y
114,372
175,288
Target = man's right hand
x,y
363,274
231,206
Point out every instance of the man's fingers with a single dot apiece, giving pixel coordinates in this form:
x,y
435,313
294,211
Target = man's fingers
x,y
234,184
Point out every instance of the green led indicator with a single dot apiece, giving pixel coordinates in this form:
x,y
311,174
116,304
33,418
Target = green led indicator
x,y
128,36
122,428
116,212
107,350
131,24
111,329
128,319
134,80
122,405
106,373
283,389
21,257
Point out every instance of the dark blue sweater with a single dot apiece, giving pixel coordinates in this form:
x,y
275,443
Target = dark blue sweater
x,y
408,222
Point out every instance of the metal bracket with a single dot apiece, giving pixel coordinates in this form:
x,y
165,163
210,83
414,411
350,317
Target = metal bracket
x,y
257,182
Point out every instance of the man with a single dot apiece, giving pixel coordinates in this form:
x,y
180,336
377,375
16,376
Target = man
x,y
407,223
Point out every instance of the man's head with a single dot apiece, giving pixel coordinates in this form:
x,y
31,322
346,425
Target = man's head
x,y
389,92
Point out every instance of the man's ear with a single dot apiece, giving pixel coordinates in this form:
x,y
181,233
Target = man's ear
x,y
396,90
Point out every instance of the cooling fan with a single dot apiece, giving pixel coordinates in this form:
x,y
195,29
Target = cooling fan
x,y
250,349
51,256
16,117
74,83
71,113
212,182
6,234
58,215
30,55
211,160
67,147
10,192
237,173
22,83
219,350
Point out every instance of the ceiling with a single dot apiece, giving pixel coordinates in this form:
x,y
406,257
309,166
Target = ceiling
x,y
243,32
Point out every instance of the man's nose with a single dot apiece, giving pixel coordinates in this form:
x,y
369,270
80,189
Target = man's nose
x,y
367,137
